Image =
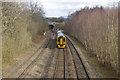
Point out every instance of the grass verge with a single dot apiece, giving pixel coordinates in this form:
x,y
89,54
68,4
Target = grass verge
x,y
103,71
14,60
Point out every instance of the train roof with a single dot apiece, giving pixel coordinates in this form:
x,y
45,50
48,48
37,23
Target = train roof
x,y
59,33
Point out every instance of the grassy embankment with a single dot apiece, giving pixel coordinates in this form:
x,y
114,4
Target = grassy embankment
x,y
97,30
23,25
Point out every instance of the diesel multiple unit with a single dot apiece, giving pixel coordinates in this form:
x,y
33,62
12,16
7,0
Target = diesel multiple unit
x,y
61,40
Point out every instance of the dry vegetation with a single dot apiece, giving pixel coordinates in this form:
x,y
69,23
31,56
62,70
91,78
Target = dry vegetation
x,y
21,23
97,29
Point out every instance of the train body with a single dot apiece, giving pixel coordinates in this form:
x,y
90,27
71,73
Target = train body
x,y
61,40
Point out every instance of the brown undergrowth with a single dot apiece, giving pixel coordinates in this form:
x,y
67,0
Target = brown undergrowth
x,y
97,29
23,25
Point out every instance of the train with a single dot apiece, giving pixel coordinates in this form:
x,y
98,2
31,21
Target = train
x,y
61,40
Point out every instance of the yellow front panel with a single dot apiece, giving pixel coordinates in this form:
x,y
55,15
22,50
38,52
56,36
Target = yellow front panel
x,y
61,46
61,42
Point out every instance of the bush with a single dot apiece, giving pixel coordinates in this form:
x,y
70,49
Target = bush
x,y
97,29
21,22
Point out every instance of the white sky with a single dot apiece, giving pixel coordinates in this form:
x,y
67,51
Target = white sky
x,y
57,8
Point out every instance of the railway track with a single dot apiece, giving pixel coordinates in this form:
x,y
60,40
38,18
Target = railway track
x,y
80,68
56,63
22,66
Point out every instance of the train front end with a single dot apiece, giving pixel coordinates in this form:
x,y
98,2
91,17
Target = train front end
x,y
61,40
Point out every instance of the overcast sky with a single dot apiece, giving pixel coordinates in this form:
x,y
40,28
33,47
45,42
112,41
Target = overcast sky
x,y
57,8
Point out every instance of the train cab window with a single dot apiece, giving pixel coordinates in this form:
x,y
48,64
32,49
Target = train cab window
x,y
58,39
64,39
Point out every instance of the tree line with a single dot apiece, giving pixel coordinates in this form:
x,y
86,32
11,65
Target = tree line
x,y
97,29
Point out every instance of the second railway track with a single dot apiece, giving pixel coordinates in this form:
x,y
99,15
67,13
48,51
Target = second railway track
x,y
80,68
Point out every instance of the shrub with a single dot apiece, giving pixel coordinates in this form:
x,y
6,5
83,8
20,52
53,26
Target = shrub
x,y
97,29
